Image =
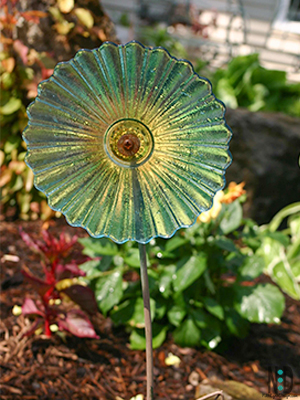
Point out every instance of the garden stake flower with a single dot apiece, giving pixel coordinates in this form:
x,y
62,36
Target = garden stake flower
x,y
128,143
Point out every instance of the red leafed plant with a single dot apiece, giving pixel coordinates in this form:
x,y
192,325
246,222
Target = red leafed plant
x,y
59,283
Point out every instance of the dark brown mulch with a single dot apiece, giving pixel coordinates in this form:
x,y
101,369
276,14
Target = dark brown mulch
x,y
38,368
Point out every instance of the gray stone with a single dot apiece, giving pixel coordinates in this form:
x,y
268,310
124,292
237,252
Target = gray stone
x,y
232,390
265,149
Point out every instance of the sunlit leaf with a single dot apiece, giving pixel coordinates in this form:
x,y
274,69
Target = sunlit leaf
x,y
138,341
176,315
11,106
108,290
85,17
188,270
263,303
65,6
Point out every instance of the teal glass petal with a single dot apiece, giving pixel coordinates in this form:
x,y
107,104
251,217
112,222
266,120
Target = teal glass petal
x,y
127,142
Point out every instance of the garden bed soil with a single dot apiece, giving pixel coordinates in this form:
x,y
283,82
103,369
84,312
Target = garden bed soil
x,y
62,368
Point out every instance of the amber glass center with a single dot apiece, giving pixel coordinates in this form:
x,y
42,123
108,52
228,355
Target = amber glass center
x,y
128,142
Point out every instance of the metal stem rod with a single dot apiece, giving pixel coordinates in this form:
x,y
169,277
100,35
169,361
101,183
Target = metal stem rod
x,y
148,326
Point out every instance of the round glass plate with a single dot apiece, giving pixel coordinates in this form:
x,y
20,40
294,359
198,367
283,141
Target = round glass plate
x,y
127,142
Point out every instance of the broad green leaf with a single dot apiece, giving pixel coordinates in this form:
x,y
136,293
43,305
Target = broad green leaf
x,y
210,335
160,307
271,78
252,267
226,93
165,280
294,224
175,242
259,91
209,282
213,307
279,268
11,106
236,324
138,320
235,260
263,303
188,270
187,334
94,266
238,66
282,274
179,299
132,258
133,289
89,266
280,237
295,267
271,251
293,250
109,290
117,260
122,313
176,315
225,244
232,217
138,341
204,320
153,280
98,247
162,254
159,335
282,214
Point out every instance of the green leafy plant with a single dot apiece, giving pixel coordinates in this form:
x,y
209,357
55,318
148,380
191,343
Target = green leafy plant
x,y
159,36
281,250
204,282
245,83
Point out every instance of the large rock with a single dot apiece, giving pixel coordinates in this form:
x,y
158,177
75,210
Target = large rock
x,y
232,390
265,149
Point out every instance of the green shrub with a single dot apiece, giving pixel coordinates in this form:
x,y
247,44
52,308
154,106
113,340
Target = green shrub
x,y
245,83
158,36
204,281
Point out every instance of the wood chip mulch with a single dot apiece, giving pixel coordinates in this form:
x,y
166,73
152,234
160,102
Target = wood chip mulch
x,y
38,368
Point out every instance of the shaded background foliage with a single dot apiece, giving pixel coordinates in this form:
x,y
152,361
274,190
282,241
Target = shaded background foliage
x,y
35,36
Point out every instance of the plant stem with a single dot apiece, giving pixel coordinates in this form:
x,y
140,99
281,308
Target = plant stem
x,y
148,327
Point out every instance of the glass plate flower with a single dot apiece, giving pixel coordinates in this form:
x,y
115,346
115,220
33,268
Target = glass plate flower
x,y
127,142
